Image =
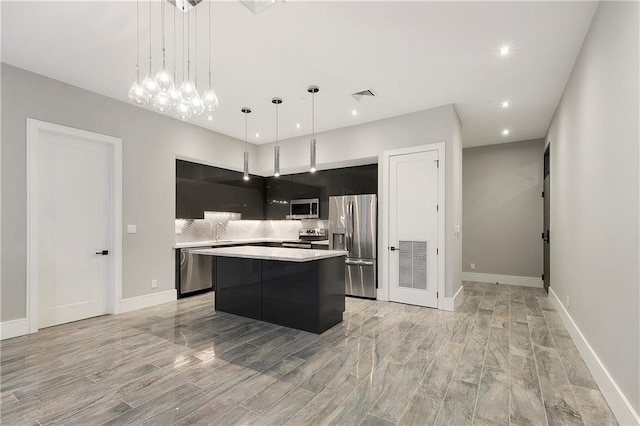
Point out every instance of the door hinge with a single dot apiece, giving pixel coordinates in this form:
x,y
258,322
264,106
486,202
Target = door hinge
x,y
542,194
542,277
437,251
437,163
437,207
437,294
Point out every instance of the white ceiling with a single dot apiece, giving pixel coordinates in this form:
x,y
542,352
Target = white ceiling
x,y
415,55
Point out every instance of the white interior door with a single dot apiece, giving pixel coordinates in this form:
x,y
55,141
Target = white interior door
x,y
74,214
413,228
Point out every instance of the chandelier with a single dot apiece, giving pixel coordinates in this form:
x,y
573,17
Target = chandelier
x,y
161,91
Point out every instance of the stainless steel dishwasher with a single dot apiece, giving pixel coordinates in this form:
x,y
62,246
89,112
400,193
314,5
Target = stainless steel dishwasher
x,y
196,273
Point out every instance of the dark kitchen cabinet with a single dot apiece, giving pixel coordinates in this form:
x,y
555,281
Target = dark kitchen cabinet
x,y
277,195
361,180
189,170
305,185
182,198
201,188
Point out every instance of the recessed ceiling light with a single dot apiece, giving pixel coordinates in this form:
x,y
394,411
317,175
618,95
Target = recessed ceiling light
x,y
257,135
505,132
297,125
209,118
506,104
505,50
354,112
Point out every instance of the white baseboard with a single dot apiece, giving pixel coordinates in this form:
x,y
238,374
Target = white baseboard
x,y
622,409
14,328
153,299
502,279
451,303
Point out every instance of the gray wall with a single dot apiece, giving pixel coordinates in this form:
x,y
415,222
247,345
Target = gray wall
x,y
355,144
502,217
151,143
595,190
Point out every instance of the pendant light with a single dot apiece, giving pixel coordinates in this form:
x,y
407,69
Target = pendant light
x,y
149,82
312,148
174,93
276,149
246,112
187,88
137,95
183,110
197,107
209,98
164,81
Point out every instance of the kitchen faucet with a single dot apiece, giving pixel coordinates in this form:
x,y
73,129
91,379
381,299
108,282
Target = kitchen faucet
x,y
219,224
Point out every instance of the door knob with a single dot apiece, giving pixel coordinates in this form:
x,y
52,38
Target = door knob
x,y
392,248
103,252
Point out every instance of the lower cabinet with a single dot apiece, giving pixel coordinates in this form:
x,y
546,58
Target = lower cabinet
x,y
307,296
238,286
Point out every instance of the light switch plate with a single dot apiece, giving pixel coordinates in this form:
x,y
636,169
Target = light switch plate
x,y
131,229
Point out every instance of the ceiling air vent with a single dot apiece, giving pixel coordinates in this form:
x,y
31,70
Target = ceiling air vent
x,y
365,93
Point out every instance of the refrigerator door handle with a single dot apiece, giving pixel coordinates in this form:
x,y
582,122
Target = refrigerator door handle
x,y
359,262
350,214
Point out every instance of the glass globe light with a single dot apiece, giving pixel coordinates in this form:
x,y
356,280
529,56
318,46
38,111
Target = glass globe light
x,y
188,90
149,85
164,81
197,106
162,102
137,95
174,97
183,111
210,100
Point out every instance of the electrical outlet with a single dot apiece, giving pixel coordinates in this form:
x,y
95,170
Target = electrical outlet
x,y
567,302
154,283
473,266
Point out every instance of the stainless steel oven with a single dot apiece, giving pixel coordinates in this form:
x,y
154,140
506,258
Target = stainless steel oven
x,y
305,209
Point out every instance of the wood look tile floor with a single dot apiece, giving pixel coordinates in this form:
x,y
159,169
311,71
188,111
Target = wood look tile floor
x,y
504,358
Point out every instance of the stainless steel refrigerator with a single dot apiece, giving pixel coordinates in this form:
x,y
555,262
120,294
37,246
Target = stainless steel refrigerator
x,y
353,224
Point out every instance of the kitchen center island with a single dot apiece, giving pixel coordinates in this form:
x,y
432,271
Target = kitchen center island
x,y
297,288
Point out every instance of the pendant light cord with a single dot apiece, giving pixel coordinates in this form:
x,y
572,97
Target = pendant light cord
x,y
313,114
246,143
138,43
209,43
277,106
149,37
196,49
162,32
174,45
183,49
188,46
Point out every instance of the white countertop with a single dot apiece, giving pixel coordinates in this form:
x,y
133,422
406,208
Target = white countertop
x,y
214,243
271,253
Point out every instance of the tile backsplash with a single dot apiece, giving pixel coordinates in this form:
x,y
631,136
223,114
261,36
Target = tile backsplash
x,y
233,228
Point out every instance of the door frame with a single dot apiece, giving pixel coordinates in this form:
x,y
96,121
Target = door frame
x,y
383,240
114,281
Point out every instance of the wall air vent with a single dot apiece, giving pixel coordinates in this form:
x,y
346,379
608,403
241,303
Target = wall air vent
x,y
365,93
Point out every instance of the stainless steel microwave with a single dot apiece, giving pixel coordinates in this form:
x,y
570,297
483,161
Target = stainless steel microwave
x,y
305,209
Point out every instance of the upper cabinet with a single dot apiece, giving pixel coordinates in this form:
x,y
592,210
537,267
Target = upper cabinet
x,y
277,195
201,188
361,180
305,185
